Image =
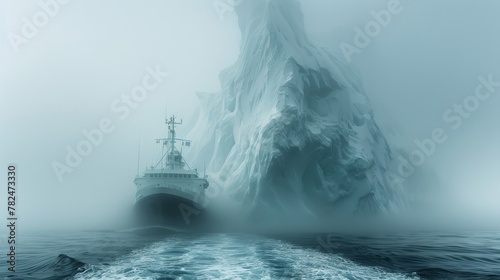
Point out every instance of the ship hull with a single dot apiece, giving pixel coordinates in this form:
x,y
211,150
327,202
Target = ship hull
x,y
169,210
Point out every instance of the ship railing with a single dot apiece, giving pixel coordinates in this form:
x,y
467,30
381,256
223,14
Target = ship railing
x,y
177,189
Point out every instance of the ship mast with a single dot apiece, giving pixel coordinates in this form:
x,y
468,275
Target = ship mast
x,y
173,156
171,127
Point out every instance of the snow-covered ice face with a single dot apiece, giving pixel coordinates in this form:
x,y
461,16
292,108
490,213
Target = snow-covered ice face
x,y
291,131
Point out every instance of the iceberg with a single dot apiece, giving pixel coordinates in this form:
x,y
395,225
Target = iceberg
x,y
291,133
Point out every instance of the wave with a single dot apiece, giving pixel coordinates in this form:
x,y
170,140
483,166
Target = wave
x,y
60,267
228,257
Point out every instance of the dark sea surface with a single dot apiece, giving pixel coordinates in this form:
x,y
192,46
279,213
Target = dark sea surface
x,y
133,255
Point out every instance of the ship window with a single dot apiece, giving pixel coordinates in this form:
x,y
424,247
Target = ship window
x,y
164,175
175,175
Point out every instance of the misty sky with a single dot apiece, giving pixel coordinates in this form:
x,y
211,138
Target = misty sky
x,y
90,53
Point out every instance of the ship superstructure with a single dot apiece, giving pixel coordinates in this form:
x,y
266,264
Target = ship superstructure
x,y
170,193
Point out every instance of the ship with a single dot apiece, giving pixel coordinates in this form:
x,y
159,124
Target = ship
x,y
170,193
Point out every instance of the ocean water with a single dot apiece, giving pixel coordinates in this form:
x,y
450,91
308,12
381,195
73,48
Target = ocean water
x,y
142,255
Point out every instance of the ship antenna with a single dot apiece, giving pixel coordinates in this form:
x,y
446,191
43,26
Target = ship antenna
x,y
166,107
166,113
171,128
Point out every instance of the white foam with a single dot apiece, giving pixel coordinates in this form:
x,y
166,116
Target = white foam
x,y
233,257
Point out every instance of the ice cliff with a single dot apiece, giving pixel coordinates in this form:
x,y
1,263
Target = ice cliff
x,y
291,132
